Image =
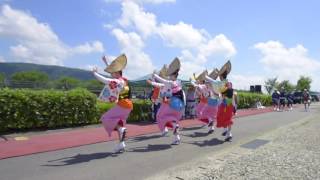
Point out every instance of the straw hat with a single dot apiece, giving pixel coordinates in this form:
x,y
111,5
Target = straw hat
x,y
214,74
226,68
174,66
118,64
201,76
163,72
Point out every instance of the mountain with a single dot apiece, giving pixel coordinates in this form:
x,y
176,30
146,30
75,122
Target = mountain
x,y
143,78
54,72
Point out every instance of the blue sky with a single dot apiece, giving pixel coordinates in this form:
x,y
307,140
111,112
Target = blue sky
x,y
263,39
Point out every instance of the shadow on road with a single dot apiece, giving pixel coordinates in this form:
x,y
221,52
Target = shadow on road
x,y
77,159
212,142
144,138
197,134
151,148
192,128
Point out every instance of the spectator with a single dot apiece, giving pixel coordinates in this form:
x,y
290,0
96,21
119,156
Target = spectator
x,y
235,101
290,99
156,102
275,100
306,99
191,102
282,99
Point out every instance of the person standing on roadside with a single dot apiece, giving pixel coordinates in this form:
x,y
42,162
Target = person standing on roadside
x,y
282,99
275,100
290,98
306,99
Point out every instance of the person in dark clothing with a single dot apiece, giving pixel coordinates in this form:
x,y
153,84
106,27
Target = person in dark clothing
x,y
282,99
275,100
290,99
155,105
306,99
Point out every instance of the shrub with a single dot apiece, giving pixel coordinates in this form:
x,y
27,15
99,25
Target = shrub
x,y
25,109
141,110
30,109
248,100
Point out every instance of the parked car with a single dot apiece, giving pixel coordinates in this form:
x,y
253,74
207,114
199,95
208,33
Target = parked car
x,y
314,98
297,97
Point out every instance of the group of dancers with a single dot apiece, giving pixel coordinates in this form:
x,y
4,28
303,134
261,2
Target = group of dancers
x,y
215,109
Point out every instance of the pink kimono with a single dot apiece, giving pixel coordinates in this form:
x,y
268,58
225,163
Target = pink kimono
x,y
119,113
166,114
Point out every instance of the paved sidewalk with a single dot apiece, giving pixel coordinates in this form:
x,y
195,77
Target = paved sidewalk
x,y
290,152
25,145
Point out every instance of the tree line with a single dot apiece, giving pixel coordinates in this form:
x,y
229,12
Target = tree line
x,y
41,79
303,82
64,82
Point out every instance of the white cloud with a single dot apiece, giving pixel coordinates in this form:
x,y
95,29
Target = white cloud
x,y
133,14
88,48
139,63
143,1
181,35
36,41
288,63
2,59
243,82
88,67
196,45
218,45
188,68
108,26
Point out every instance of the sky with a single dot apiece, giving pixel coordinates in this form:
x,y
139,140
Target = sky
x,y
263,39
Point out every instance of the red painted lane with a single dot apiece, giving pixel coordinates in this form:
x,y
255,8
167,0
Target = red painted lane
x,y
75,138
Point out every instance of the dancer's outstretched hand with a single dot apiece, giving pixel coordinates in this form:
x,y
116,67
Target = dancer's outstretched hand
x,y
95,69
149,81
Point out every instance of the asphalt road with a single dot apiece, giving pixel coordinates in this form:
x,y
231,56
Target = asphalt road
x,y
145,156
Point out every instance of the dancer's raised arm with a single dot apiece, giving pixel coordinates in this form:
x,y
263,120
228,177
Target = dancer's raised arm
x,y
155,84
162,80
103,79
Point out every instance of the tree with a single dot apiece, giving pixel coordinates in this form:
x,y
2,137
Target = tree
x,y
2,77
66,82
31,76
270,84
93,84
304,83
286,85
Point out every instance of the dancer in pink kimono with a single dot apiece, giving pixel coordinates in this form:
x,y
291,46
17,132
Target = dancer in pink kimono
x,y
117,91
171,110
164,91
209,99
202,93
226,106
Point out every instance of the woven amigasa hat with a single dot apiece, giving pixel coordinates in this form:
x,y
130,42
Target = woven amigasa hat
x,y
226,68
174,66
117,65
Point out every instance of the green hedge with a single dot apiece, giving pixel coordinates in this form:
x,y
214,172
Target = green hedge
x,y
22,109
248,100
141,110
28,109
34,109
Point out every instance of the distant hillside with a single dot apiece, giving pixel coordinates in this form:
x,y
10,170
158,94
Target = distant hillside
x,y
54,72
